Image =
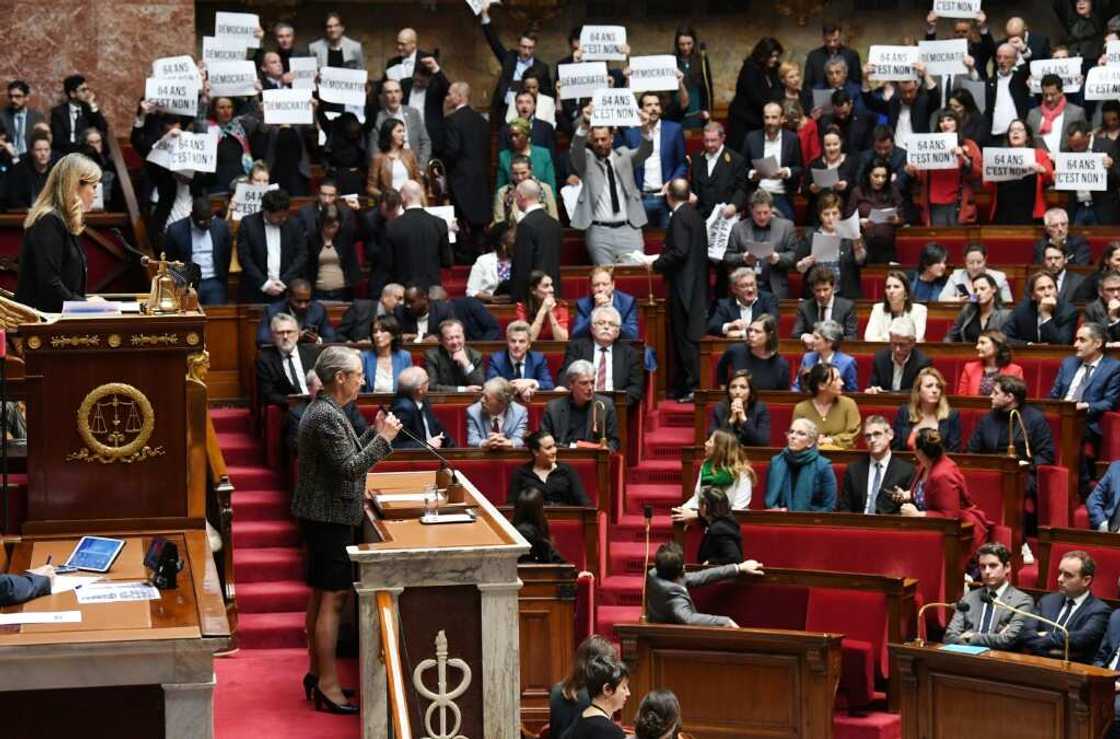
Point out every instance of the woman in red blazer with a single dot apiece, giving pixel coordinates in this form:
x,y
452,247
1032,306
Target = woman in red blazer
x,y
1023,201
994,359
938,489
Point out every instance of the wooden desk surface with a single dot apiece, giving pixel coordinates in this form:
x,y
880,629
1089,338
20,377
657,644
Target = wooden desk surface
x,y
192,611
1002,660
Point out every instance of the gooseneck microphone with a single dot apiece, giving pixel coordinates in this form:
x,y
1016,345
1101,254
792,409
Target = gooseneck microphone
x,y
452,484
959,605
647,513
986,597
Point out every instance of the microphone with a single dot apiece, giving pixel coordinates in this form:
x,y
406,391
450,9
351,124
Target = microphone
x,y
647,513
959,605
143,258
1012,417
598,419
451,481
986,597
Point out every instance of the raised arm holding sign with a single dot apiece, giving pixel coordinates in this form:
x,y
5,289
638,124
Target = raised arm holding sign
x,y
603,43
1080,171
615,108
582,80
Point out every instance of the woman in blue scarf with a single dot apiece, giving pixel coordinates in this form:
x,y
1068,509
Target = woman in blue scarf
x,y
800,479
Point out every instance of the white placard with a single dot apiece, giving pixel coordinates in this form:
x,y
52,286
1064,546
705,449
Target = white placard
x,y
117,592
849,227
956,8
175,68
221,50
893,63
476,5
944,57
41,617
246,199
570,195
292,107
1080,171
719,231
160,155
655,73
239,27
826,247
304,70
395,73
882,215
932,150
614,108
1103,83
343,86
447,213
232,79
824,178
178,96
195,152
602,43
1004,164
582,80
1112,53
1069,69
766,166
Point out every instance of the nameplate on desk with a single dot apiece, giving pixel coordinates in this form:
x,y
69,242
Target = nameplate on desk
x,y
116,592
442,518
41,617
974,650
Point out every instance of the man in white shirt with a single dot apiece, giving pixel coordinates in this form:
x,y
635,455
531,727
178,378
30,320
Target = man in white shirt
x,y
987,624
1051,120
868,480
1007,90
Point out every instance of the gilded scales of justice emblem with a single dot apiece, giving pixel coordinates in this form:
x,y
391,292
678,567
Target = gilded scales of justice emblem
x,y
115,422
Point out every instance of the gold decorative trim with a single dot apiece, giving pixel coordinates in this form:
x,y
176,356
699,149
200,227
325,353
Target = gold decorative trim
x,y
193,338
114,340
57,342
106,434
34,342
197,366
153,339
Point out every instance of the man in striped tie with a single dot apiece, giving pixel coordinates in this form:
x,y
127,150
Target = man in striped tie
x,y
987,624
1084,615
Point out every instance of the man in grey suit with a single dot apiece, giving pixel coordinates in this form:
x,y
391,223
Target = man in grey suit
x,y
416,134
497,422
609,210
765,225
336,49
18,119
1049,121
986,624
667,584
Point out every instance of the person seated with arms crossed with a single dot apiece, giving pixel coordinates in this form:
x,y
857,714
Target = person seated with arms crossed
x,y
722,542
928,409
725,468
986,624
1103,503
581,416
825,305
799,478
835,415
454,367
314,323
984,312
758,356
617,366
667,585
894,369
530,521
733,315
415,413
824,344
495,421
741,413
356,324
867,480
604,293
526,370
558,480
16,589
1083,614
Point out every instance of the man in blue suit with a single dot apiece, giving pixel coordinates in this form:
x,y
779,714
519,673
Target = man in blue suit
x,y
496,421
732,315
666,163
203,240
414,410
527,371
604,293
1104,501
1084,615
314,324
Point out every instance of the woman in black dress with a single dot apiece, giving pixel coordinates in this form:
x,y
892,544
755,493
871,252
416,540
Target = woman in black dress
x,y
723,540
834,157
559,482
530,522
876,192
759,356
568,698
608,685
741,413
1023,201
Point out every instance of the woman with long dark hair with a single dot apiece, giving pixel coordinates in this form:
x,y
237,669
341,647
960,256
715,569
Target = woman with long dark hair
x,y
928,408
568,698
531,523
985,312
383,363
693,64
741,413
559,481
547,317
332,264
1023,201
757,85
876,191
835,415
757,356
970,121
896,302
993,358
722,543
393,165
947,197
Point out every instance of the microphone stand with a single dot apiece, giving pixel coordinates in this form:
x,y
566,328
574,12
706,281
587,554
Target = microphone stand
x,y
920,641
998,604
453,486
600,424
1013,416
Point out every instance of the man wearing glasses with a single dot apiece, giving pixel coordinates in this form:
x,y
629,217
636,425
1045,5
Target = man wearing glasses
x,y
866,478
18,119
617,366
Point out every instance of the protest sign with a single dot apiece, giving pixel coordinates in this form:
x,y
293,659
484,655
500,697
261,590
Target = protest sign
x,y
232,79
287,107
582,80
1080,171
569,194
653,73
247,199
241,28
614,108
956,8
823,99
1112,54
196,152
160,155
766,166
344,86
476,5
1069,69
892,63
944,57
304,70
1103,83
932,150
173,96
175,68
719,231
1007,164
221,50
602,43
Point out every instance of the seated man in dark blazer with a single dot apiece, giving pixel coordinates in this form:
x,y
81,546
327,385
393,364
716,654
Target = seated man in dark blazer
x,y
1103,502
825,305
732,315
420,317
1107,657
719,174
893,369
1041,318
204,241
625,362
581,416
1105,310
314,324
282,368
603,292
411,406
1084,615
527,371
453,366
1089,378
1075,247
866,478
358,318
271,248
16,589
295,413
667,584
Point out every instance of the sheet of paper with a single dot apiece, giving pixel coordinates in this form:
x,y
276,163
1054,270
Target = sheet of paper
x,y
66,583
849,227
1068,68
1103,83
395,72
1003,164
1112,53
176,68
976,87
603,43
719,231
766,167
221,50
956,8
892,63
447,213
825,178
117,592
232,79
1080,171
195,152
343,86
760,249
570,195
655,73
239,27
178,96
932,150
287,107
944,57
882,215
246,199
826,247
304,70
582,80
615,108
823,99
476,5
41,617
638,257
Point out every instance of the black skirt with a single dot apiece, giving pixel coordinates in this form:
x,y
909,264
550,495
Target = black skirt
x,y
328,565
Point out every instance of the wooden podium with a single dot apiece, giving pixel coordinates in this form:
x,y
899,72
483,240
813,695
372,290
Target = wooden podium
x,y
950,696
438,617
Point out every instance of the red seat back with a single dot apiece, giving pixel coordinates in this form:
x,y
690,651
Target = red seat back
x,y
1108,567
856,614
754,605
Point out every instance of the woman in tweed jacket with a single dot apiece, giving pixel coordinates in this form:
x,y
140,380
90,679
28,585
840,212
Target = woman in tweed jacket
x,y
328,501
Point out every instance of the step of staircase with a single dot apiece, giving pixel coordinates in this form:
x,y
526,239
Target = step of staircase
x,y
607,616
272,596
260,505
655,471
254,477
661,496
231,420
627,557
240,449
264,534
670,413
666,443
279,630
267,564
617,590
632,527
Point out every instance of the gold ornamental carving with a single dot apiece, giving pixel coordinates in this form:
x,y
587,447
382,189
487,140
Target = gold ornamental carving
x,y
114,341
115,421
193,338
58,342
153,339
34,342
197,366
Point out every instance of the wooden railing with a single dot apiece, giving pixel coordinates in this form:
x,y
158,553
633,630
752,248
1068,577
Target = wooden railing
x,y
219,509
394,671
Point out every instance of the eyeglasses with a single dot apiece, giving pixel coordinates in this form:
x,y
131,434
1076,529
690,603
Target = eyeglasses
x,y
602,324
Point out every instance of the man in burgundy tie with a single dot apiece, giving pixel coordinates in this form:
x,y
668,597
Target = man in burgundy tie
x,y
496,421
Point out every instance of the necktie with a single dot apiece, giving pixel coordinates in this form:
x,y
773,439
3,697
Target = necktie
x,y
292,374
1079,388
20,140
1115,658
517,370
497,429
876,481
615,207
820,312
601,373
1065,613
73,124
986,618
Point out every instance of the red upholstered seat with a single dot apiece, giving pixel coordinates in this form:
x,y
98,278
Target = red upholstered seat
x,y
907,248
567,537
1110,436
755,605
1108,567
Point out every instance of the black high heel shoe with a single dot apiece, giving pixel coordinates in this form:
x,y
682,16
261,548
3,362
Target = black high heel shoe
x,y
311,680
323,703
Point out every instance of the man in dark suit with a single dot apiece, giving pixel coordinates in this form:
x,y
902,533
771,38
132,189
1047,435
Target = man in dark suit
x,y
541,133
420,317
417,242
617,366
603,292
314,324
1007,93
453,366
719,174
427,94
467,156
308,215
732,315
866,479
514,62
537,245
17,118
28,177
412,408
855,124
981,45
825,305
1084,615
684,264
1075,247
1105,310
670,153
1108,656
356,322
78,113
832,47
581,415
409,59
526,370
894,369
920,99
1092,381
282,368
272,250
478,323
203,241
986,624
372,225
1041,318
284,40
668,600
774,139
1030,45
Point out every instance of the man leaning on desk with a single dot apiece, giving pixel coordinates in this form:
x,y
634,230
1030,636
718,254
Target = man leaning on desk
x,y
16,589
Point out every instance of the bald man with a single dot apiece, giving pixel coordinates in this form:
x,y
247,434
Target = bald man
x,y
416,242
466,154
402,67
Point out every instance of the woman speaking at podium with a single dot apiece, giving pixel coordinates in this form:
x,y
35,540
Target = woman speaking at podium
x,y
52,262
328,501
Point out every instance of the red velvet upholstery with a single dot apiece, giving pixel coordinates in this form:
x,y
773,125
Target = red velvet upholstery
x,y
567,537
755,605
859,615
1108,568
1110,436
585,609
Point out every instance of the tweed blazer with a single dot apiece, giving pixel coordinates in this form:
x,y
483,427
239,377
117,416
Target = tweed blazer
x,y
333,463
